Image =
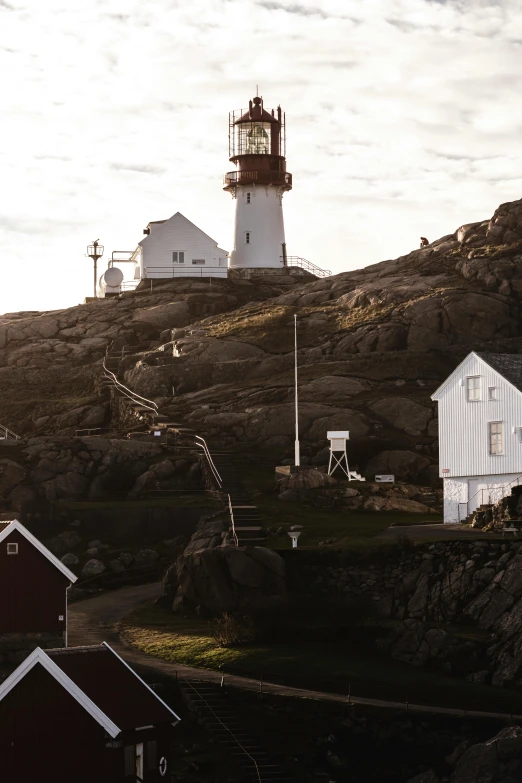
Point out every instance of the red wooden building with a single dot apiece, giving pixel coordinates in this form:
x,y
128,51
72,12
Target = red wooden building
x,y
81,715
36,583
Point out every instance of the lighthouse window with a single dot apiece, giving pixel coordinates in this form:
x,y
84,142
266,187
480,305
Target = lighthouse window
x,y
248,198
247,237
253,138
178,257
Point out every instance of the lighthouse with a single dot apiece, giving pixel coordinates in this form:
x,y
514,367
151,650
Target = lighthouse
x,y
257,147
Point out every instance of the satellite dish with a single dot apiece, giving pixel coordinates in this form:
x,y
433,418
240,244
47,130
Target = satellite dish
x,y
113,277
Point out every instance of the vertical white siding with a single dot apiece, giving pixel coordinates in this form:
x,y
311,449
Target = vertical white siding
x,y
262,219
463,425
179,234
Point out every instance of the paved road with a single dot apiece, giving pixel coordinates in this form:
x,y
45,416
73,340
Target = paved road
x,y
95,620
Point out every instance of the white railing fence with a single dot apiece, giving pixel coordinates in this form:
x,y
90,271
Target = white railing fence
x,y
7,434
488,496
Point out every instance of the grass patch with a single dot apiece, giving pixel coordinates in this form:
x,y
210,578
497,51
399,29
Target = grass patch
x,y
351,529
319,665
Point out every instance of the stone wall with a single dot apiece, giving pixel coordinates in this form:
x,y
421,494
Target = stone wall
x,y
15,647
429,589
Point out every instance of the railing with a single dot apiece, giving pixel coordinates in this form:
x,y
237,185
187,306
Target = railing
x,y
202,444
196,270
498,491
136,398
121,256
7,434
258,177
234,534
245,751
129,285
307,265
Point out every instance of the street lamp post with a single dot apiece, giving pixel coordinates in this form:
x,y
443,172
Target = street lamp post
x,y
95,251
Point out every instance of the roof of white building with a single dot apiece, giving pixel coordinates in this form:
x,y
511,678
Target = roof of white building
x,y
509,365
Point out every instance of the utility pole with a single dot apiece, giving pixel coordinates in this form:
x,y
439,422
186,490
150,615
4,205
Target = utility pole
x,y
95,251
297,454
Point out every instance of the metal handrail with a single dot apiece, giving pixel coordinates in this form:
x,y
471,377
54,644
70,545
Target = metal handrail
x,y
196,270
245,751
234,534
307,265
7,434
203,445
137,398
259,176
488,490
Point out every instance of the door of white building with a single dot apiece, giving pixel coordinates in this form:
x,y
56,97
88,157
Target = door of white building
x,y
478,493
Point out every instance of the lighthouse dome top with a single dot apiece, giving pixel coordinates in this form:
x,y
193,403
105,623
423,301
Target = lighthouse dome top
x,y
257,113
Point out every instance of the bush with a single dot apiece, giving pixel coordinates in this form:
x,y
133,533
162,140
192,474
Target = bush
x,y
231,629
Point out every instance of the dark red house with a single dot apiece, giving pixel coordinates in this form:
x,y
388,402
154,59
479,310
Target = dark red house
x,y
34,584
81,715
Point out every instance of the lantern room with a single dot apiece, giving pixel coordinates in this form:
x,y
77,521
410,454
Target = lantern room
x,y
256,131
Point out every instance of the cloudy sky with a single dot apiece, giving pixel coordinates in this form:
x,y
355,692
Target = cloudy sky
x,y
404,118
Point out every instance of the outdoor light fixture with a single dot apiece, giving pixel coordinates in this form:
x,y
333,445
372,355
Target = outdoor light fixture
x,y
95,251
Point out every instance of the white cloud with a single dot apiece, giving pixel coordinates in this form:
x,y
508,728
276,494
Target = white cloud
x,y
403,119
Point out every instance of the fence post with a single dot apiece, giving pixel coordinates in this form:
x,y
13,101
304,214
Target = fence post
x,y
407,707
261,683
349,693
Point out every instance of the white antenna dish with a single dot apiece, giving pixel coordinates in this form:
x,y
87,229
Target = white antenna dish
x,y
113,277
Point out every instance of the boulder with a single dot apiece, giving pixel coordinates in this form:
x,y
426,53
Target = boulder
x,y
70,559
145,557
226,578
92,568
490,762
163,316
405,465
11,475
403,414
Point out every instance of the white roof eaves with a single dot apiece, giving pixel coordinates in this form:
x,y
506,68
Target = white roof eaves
x,y
39,656
436,393
142,681
16,525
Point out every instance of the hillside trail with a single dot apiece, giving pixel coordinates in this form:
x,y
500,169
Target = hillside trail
x,y
95,620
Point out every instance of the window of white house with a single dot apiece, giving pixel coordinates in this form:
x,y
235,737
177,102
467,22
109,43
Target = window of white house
x,y
519,434
473,388
12,549
198,261
496,445
247,237
493,393
178,257
248,198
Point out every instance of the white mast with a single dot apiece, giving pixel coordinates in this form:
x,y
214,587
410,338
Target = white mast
x,y
297,456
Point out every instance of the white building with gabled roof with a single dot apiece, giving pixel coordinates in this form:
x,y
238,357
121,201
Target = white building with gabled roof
x,y
177,248
480,432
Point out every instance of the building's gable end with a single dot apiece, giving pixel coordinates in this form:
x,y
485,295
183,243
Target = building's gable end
x,y
16,525
177,718
449,380
38,657
499,374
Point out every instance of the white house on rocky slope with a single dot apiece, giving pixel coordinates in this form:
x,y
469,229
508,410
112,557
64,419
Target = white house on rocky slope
x,y
480,432
177,248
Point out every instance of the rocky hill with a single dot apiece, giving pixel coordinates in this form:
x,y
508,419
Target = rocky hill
x,y
373,345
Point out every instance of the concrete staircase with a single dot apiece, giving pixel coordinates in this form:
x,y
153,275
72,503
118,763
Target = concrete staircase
x,y
209,702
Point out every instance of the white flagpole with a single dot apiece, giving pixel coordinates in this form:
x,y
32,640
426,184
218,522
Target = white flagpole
x,y
297,455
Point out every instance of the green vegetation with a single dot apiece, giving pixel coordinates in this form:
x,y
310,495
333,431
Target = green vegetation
x,y
343,665
350,529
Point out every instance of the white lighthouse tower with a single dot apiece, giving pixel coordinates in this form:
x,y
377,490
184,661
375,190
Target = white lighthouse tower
x,y
257,146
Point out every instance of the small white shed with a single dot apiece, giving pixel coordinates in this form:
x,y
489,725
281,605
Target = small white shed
x,y
177,248
480,432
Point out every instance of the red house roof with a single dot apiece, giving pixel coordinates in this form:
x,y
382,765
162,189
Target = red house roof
x,y
7,527
108,689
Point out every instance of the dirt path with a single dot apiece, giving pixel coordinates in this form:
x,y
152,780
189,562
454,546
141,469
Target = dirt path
x,y
94,621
